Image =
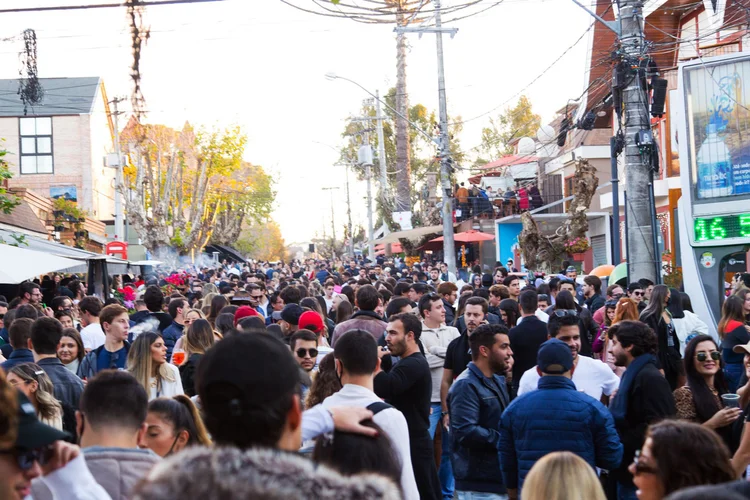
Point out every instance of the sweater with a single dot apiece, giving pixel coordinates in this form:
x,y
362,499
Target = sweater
x,y
435,342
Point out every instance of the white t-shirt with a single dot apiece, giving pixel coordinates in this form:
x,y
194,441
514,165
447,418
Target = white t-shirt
x,y
92,336
393,424
590,376
169,388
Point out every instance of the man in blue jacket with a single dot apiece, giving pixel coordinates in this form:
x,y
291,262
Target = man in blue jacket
x,y
556,417
476,402
178,308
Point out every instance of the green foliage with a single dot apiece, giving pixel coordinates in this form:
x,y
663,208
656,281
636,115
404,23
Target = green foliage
x,y
513,123
7,201
69,208
19,240
423,152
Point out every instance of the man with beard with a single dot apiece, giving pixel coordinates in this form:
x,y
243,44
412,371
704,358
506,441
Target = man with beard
x,y
589,375
477,401
458,355
408,387
644,397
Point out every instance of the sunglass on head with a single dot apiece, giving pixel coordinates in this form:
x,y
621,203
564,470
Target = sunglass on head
x,y
26,458
703,356
610,303
561,313
617,296
302,352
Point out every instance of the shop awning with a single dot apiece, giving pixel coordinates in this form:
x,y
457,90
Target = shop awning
x,y
22,264
411,234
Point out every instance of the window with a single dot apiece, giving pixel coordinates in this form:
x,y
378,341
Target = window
x,y
36,145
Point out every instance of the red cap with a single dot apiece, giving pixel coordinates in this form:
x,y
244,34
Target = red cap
x,y
244,312
310,320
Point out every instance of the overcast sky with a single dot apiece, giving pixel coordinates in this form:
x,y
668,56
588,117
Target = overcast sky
x,y
261,64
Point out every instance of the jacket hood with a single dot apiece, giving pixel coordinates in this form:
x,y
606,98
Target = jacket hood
x,y
233,474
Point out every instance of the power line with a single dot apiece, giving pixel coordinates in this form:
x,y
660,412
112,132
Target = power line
x,y
102,6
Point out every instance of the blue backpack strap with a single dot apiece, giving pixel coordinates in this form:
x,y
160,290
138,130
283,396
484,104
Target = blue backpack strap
x,y
376,408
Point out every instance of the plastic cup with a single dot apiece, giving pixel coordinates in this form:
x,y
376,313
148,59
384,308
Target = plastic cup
x,y
178,357
731,400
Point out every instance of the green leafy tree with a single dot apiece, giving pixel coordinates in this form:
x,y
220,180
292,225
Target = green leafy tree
x,y
7,201
422,154
514,123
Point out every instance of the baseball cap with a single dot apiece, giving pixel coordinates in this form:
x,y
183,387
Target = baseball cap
x,y
244,312
554,357
312,321
742,348
291,313
33,434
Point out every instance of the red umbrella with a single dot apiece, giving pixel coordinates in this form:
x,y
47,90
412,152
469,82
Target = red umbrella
x,y
470,236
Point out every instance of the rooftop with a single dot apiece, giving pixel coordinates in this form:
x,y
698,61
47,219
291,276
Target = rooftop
x,y
62,96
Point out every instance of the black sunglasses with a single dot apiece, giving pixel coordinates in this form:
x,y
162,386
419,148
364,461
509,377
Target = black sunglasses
x,y
26,458
302,352
638,294
561,313
703,356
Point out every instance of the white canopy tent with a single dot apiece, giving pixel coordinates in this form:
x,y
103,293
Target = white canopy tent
x,y
20,264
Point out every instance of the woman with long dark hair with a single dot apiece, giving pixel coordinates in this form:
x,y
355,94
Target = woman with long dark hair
x,y
678,455
199,337
732,333
344,311
70,350
657,316
218,303
699,400
173,424
509,311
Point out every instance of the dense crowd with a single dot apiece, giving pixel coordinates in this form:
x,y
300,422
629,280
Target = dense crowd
x,y
365,380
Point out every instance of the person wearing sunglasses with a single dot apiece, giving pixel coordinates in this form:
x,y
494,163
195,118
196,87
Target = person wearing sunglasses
x,y
678,455
33,451
304,345
635,292
700,400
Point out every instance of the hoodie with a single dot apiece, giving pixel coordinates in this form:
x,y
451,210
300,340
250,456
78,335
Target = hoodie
x,y
435,342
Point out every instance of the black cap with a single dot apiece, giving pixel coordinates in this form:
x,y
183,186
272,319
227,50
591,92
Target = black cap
x,y
291,313
33,434
554,357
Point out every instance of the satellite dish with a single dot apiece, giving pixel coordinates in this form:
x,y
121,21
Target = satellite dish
x,y
526,146
546,134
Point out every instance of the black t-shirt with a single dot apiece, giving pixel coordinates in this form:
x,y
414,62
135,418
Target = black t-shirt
x,y
458,355
408,387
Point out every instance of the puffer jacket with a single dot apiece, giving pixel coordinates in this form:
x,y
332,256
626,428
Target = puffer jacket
x,y
117,470
476,404
233,474
435,342
556,418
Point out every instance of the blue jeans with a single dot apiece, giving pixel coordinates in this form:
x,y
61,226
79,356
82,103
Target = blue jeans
x,y
626,492
447,482
733,374
478,495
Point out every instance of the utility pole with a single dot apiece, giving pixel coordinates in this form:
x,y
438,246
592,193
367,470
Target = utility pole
x,y
349,212
642,256
119,216
333,223
381,152
449,245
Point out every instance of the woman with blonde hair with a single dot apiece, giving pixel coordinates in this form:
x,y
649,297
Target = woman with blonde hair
x,y
210,288
199,337
34,383
206,307
190,316
562,475
147,362
625,310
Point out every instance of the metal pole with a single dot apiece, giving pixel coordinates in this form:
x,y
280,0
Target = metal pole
x,y
641,249
449,246
119,216
381,153
655,226
627,240
616,257
349,213
370,230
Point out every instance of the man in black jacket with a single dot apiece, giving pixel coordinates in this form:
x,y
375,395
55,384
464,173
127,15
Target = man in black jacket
x,y
449,293
408,387
644,396
592,291
526,337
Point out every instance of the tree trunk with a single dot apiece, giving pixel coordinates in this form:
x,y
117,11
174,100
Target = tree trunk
x,y
403,166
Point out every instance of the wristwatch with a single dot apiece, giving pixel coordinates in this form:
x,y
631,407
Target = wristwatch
x,y
444,413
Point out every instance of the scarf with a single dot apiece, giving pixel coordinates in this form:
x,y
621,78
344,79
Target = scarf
x,y
619,406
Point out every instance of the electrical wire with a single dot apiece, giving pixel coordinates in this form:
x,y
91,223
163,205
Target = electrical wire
x,y
143,3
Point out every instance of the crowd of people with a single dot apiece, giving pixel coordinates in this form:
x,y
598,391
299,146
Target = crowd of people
x,y
368,380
